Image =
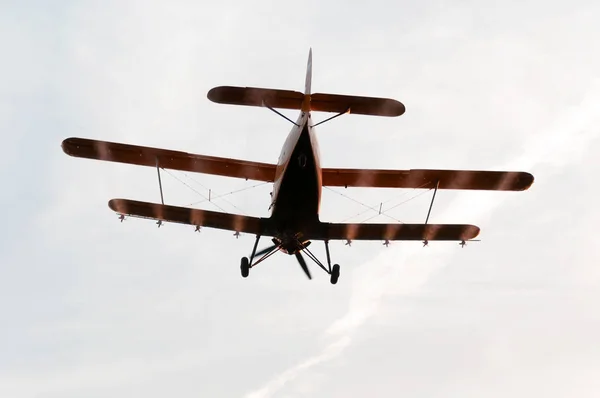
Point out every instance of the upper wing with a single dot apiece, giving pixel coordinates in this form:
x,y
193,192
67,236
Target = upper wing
x,y
458,232
184,215
175,160
416,178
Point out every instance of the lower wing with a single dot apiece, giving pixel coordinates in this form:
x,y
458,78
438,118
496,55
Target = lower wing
x,y
168,159
418,178
261,226
447,232
184,215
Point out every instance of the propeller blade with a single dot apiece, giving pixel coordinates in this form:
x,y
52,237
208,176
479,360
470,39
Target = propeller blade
x,y
265,250
303,264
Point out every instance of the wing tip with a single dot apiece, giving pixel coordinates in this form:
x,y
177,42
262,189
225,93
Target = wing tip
x,y
472,230
216,94
527,180
117,205
400,108
392,108
68,144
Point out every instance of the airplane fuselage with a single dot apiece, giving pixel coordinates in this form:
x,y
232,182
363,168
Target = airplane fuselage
x,y
297,187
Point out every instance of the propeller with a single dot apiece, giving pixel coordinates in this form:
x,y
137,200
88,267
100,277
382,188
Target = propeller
x,y
303,264
299,257
265,250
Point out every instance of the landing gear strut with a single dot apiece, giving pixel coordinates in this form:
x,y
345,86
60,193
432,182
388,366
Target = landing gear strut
x,y
335,271
246,263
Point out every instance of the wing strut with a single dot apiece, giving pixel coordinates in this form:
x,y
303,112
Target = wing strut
x,y
328,257
162,199
425,242
432,199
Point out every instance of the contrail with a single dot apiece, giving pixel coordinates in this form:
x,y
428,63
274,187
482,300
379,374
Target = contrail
x,y
564,143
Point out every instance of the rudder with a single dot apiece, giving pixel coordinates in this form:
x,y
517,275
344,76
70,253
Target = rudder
x,y
308,79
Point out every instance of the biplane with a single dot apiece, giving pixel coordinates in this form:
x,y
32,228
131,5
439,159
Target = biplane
x,y
297,179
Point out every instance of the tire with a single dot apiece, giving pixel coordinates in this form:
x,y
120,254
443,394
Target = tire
x,y
245,267
335,274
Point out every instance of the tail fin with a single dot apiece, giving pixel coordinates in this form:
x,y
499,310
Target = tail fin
x,y
308,81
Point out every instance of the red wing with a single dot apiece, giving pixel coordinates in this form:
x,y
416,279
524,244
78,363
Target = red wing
x,y
184,215
416,178
458,232
260,226
167,159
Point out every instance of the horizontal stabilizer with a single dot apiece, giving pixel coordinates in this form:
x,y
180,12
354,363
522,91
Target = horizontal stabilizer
x,y
415,178
167,159
252,96
443,232
357,105
184,215
275,98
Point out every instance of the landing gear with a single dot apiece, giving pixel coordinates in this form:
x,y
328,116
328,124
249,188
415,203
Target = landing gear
x,y
335,274
295,248
245,267
248,263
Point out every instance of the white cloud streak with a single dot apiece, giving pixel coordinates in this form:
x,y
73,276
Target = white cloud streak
x,y
405,271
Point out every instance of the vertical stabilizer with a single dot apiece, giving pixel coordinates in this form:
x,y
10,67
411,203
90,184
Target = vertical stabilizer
x,y
308,81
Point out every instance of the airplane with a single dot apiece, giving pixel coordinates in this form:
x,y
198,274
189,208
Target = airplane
x,y
297,179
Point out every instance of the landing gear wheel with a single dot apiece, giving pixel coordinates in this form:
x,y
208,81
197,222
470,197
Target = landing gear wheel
x,y
245,267
335,274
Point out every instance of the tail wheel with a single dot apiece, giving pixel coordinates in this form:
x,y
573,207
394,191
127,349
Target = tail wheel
x,y
245,267
335,274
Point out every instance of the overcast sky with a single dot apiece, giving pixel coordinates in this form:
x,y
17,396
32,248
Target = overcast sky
x,y
91,307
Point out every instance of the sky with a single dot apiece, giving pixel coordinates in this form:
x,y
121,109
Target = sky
x,y
93,307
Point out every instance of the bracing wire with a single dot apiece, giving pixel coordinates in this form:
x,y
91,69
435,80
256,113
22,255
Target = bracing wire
x,y
363,204
211,199
384,202
379,209
193,189
401,203
228,193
